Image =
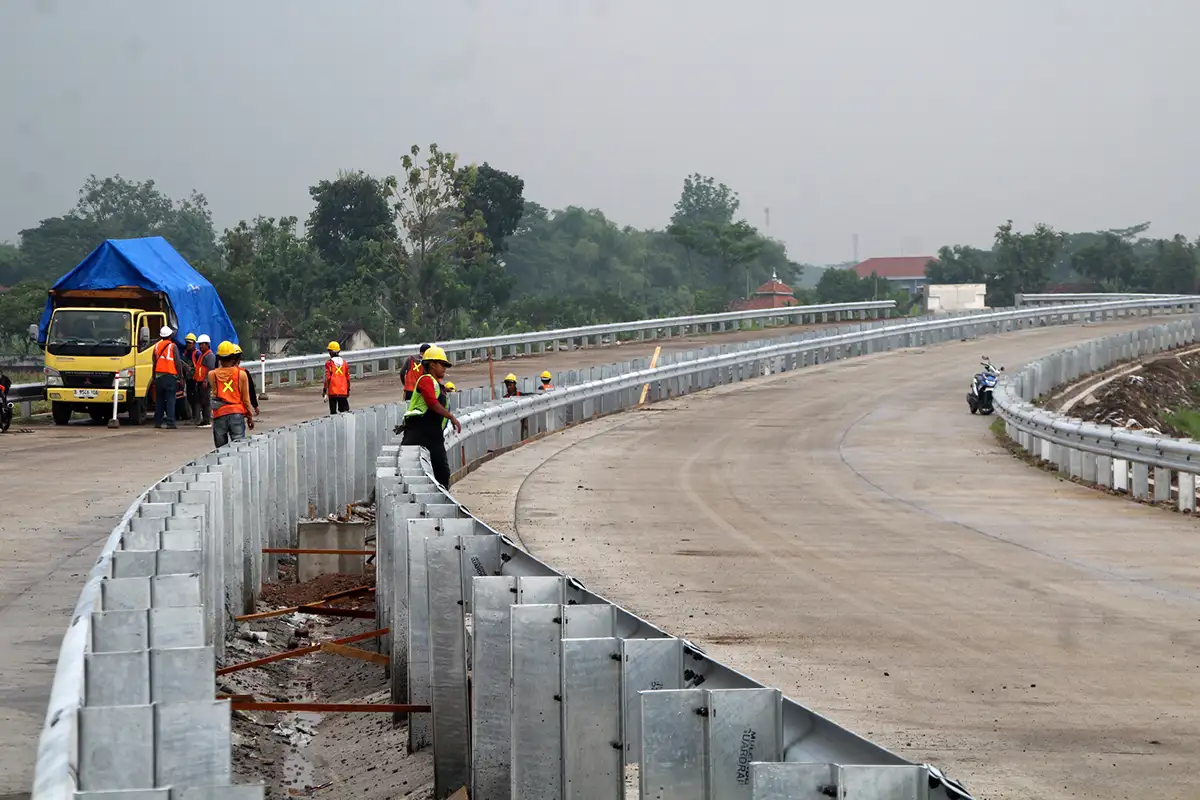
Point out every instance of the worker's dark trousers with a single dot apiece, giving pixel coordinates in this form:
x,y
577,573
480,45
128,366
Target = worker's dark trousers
x,y
427,432
203,414
338,404
164,399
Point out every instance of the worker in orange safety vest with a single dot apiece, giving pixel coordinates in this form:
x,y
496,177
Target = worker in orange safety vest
x,y
230,388
546,384
166,378
337,381
413,369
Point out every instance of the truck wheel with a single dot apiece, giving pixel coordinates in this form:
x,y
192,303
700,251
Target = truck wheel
x,y
137,411
61,412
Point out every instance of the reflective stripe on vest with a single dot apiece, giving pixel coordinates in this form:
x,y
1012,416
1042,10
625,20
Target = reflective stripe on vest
x,y
227,394
164,358
417,407
339,378
198,364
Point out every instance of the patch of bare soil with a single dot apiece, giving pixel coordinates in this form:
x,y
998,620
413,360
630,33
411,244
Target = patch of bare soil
x,y
335,756
1148,398
287,593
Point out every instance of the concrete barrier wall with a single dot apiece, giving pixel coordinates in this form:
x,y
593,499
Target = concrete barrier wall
x,y
1143,466
132,707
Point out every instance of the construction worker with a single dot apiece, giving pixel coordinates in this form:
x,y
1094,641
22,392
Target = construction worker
x,y
337,381
237,351
412,370
546,385
450,387
166,378
204,360
229,386
510,386
188,373
426,417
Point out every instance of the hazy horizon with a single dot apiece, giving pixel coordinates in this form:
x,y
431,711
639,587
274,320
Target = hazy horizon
x,y
912,126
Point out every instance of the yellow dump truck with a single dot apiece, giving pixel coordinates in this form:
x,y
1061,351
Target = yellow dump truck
x,y
102,320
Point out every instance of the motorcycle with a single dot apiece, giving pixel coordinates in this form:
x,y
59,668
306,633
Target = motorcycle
x,y
979,398
6,408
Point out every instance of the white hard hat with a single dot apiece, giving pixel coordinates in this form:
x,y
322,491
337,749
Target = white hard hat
x,y
165,332
203,339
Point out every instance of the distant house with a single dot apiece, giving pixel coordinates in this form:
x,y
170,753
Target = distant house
x,y
279,346
905,272
355,338
772,294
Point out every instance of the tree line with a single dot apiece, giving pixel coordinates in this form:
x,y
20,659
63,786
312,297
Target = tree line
x,y
441,250
1115,260
444,250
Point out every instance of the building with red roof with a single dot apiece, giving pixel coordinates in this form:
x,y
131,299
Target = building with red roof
x,y
906,272
772,294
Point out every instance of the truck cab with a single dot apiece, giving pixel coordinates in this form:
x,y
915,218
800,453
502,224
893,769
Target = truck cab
x,y
97,340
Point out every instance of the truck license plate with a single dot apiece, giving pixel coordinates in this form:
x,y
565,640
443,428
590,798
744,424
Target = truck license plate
x,y
87,394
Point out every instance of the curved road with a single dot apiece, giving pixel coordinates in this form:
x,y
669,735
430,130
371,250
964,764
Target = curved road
x,y
851,534
64,488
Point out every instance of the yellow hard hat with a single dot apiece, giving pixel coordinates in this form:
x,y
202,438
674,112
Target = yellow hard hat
x,y
436,353
225,349
334,347
237,349
191,337
546,376
450,387
510,377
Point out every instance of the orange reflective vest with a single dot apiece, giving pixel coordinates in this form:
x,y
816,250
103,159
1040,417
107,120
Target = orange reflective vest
x,y
227,393
414,373
337,378
545,387
164,358
198,364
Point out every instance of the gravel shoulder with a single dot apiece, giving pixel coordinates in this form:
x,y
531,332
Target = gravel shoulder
x,y
853,535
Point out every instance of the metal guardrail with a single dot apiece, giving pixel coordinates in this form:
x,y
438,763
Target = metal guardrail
x,y
132,703
1143,465
1057,299
293,370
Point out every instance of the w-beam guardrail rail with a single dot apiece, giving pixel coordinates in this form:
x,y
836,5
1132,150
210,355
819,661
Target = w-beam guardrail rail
x,y
295,370
1145,466
132,712
1058,299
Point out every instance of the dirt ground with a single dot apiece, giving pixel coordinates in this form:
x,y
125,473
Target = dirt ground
x,y
334,756
1148,398
887,563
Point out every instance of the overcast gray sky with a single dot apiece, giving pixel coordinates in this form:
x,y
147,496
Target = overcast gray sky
x,y
915,123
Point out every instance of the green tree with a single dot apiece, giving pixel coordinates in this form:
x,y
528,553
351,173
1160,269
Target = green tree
x,y
1024,261
1174,266
498,197
21,306
842,286
12,267
117,208
1109,261
437,240
960,264
350,210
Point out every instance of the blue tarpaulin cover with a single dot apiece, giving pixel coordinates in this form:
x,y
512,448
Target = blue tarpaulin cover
x,y
151,263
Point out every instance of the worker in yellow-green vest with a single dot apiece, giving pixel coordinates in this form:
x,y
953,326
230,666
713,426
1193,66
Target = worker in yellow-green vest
x,y
426,417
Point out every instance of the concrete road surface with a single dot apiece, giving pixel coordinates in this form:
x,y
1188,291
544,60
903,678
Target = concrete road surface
x,y
852,535
64,488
